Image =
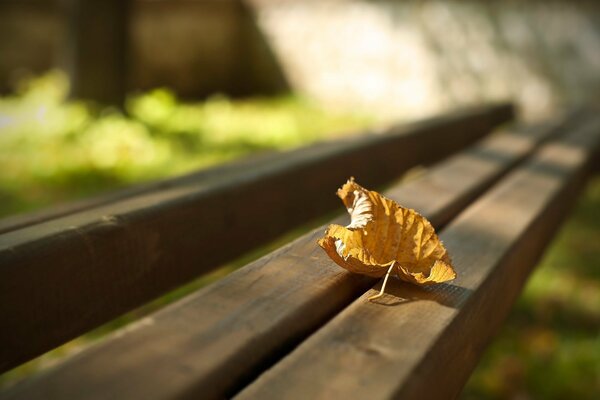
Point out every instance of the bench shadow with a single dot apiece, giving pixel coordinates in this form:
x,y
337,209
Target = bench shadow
x,y
446,294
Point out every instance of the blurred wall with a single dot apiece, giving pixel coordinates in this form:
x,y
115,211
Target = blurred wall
x,y
393,58
405,58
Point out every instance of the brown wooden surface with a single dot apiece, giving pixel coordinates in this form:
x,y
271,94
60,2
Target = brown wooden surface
x,y
476,123
63,277
422,343
214,341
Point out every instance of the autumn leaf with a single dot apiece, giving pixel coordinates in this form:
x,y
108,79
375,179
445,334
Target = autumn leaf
x,y
384,237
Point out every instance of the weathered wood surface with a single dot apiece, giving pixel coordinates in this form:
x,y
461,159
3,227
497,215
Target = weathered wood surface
x,y
474,123
63,277
213,342
422,343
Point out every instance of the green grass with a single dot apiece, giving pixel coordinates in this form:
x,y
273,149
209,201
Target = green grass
x,y
550,346
53,150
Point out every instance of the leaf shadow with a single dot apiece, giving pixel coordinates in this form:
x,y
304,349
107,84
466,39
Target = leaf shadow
x,y
398,293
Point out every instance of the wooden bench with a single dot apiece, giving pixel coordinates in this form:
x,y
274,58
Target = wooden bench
x,y
291,324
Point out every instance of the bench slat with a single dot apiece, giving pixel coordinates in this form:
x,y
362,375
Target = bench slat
x,y
74,273
482,119
215,340
423,343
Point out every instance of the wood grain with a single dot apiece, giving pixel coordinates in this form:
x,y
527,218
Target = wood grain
x,y
422,343
216,340
65,276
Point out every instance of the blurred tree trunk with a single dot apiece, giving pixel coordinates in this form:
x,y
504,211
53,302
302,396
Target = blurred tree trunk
x,y
96,49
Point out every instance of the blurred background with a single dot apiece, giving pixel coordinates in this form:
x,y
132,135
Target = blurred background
x,y
101,94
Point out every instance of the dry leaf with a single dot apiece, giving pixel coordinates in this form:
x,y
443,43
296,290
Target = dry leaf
x,y
384,236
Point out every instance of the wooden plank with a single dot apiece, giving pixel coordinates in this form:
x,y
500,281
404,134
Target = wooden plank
x,y
71,274
475,123
422,343
214,341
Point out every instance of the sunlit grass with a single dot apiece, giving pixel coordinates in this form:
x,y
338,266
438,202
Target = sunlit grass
x,y
550,346
52,150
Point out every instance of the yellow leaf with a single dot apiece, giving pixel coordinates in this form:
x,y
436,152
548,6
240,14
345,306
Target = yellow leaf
x,y
385,237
